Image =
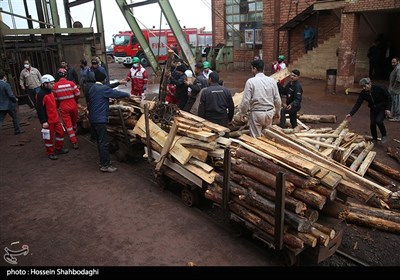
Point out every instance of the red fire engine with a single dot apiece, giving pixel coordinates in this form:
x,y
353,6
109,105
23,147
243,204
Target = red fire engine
x,y
126,45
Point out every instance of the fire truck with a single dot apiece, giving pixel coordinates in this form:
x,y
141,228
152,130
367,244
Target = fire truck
x,y
126,45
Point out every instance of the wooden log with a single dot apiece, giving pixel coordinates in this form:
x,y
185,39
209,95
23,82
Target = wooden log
x,y
393,153
224,141
310,197
167,146
299,223
181,154
328,193
355,191
199,135
193,175
317,118
381,178
357,162
333,166
385,169
351,149
257,174
312,215
271,167
315,135
213,196
308,238
208,177
207,168
266,217
186,127
322,144
306,166
335,209
331,180
366,163
322,238
330,232
221,130
374,222
237,133
265,155
289,239
198,154
375,212
188,142
188,122
291,203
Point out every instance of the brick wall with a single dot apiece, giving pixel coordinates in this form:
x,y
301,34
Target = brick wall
x,y
368,5
243,57
348,49
218,22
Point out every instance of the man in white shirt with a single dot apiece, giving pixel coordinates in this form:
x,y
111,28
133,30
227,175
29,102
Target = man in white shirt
x,y
261,100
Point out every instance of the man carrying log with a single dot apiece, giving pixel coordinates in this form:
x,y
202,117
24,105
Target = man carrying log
x,y
261,100
294,93
379,101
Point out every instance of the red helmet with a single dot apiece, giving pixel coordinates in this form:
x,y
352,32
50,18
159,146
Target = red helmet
x,y
62,72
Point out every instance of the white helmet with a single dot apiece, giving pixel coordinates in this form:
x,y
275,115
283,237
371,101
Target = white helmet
x,y
47,78
189,73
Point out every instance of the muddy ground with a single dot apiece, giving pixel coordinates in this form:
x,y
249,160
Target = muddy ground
x,y
71,214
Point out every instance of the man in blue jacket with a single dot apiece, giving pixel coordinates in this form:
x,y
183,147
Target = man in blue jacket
x,y
8,103
98,99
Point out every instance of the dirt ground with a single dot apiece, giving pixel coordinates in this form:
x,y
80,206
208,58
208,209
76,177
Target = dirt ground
x,y
71,214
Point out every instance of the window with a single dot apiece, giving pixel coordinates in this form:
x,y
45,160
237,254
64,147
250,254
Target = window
x,y
242,15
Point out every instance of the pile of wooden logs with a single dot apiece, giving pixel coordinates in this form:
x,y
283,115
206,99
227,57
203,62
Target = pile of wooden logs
x,y
313,183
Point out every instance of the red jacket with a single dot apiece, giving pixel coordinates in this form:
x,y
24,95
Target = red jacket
x,y
139,80
66,94
46,107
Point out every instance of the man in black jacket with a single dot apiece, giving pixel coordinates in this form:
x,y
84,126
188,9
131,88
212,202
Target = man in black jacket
x,y
294,93
216,103
379,101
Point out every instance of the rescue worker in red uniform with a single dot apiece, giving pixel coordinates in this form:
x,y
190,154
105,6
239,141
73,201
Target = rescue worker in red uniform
x,y
138,77
46,108
67,95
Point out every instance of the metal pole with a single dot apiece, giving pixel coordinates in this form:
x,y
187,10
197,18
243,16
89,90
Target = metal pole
x,y
279,209
147,125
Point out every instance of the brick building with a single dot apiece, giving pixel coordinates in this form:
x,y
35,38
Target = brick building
x,y
344,32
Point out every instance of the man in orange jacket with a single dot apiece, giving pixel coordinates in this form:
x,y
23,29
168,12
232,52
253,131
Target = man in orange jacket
x,y
48,116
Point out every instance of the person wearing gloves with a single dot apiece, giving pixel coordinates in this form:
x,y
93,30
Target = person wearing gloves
x,y
379,101
46,108
138,77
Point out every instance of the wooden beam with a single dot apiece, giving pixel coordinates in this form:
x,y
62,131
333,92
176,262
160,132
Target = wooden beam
x,y
167,145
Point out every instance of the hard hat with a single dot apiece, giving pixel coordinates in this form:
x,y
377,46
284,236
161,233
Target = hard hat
x,y
62,72
136,59
206,64
47,78
281,57
189,73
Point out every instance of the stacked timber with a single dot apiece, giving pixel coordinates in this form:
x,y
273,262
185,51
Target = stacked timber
x,y
354,160
184,146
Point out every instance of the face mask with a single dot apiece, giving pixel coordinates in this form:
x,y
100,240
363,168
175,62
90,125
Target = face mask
x,y
26,66
135,65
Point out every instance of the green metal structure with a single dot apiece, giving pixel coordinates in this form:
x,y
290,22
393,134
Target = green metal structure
x,y
130,19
